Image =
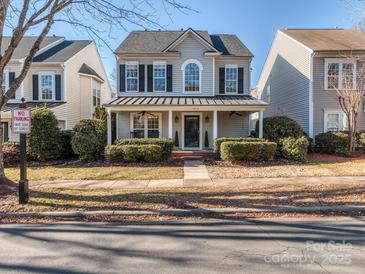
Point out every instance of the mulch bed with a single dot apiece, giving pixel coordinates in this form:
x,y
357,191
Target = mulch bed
x,y
356,158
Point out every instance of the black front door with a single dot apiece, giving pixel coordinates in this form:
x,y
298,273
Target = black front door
x,y
191,131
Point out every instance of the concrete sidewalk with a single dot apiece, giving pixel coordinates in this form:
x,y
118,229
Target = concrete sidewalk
x,y
189,182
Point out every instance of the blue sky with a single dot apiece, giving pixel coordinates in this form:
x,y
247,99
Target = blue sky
x,y
253,21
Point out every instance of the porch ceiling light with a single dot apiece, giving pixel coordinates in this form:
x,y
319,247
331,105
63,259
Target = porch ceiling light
x,y
176,119
207,119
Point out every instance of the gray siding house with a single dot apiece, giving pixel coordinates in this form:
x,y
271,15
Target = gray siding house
x,y
188,84
295,77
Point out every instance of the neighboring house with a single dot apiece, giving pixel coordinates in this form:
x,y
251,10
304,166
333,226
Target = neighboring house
x,y
188,83
66,76
296,75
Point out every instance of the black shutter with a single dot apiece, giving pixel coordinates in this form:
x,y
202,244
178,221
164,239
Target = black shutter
x,y
169,78
35,87
141,78
122,78
149,78
240,80
58,87
222,80
11,80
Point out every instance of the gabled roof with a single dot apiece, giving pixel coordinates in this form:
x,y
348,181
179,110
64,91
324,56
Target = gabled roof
x,y
53,48
157,41
85,69
26,43
328,39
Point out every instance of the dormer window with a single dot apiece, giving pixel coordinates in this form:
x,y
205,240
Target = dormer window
x,y
131,76
46,86
192,70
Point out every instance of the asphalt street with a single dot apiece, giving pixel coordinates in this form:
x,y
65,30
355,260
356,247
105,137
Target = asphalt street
x,y
313,245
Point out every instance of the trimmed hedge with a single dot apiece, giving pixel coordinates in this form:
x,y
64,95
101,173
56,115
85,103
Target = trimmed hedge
x,y
11,153
295,148
362,138
89,139
331,142
166,144
150,153
218,142
113,153
248,151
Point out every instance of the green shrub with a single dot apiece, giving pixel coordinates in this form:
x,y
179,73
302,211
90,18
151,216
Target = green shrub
x,y
218,142
362,138
11,153
131,153
44,137
332,141
64,144
113,153
166,144
150,153
295,148
248,151
89,139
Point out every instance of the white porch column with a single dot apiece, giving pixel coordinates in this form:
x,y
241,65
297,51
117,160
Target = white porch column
x,y
261,124
109,128
170,124
215,124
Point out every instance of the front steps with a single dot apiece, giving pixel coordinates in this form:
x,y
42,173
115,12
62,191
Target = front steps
x,y
192,154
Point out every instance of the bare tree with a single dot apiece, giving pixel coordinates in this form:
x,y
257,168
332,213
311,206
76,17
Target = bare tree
x,y
350,91
99,18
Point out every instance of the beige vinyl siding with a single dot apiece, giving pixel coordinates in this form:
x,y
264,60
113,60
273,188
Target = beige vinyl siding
x,y
324,100
287,71
245,64
234,125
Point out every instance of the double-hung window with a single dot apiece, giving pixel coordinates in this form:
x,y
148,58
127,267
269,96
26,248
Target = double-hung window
x,y
192,76
146,125
231,79
46,86
340,74
334,120
131,76
96,97
5,84
159,76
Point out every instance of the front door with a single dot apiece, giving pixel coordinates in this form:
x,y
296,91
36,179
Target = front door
x,y
191,131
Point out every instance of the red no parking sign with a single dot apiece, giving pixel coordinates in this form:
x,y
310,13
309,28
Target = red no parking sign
x,y
21,118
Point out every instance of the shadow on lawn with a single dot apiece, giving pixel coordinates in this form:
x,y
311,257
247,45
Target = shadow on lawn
x,y
199,198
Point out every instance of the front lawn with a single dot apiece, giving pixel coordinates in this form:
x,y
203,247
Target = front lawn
x,y
280,168
248,195
173,170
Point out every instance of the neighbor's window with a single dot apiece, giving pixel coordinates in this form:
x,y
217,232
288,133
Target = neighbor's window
x,y
159,76
231,81
192,76
46,86
334,121
268,94
340,74
132,76
96,97
146,125
5,81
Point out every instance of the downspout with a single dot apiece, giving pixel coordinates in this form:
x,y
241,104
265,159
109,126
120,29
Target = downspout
x,y
311,114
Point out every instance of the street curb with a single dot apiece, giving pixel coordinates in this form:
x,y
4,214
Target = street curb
x,y
185,212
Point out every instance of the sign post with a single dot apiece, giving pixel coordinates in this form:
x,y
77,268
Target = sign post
x,y
21,118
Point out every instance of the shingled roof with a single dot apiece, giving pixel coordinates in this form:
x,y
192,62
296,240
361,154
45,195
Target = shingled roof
x,y
157,41
85,69
60,52
328,39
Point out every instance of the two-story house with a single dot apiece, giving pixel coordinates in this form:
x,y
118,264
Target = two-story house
x,y
188,84
302,71
66,76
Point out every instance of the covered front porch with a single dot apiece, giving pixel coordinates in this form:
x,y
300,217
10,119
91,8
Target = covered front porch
x,y
191,124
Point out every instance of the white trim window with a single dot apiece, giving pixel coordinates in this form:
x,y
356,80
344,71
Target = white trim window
x,y
47,86
340,74
5,84
231,79
96,96
131,76
334,120
159,76
146,125
192,76
268,94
